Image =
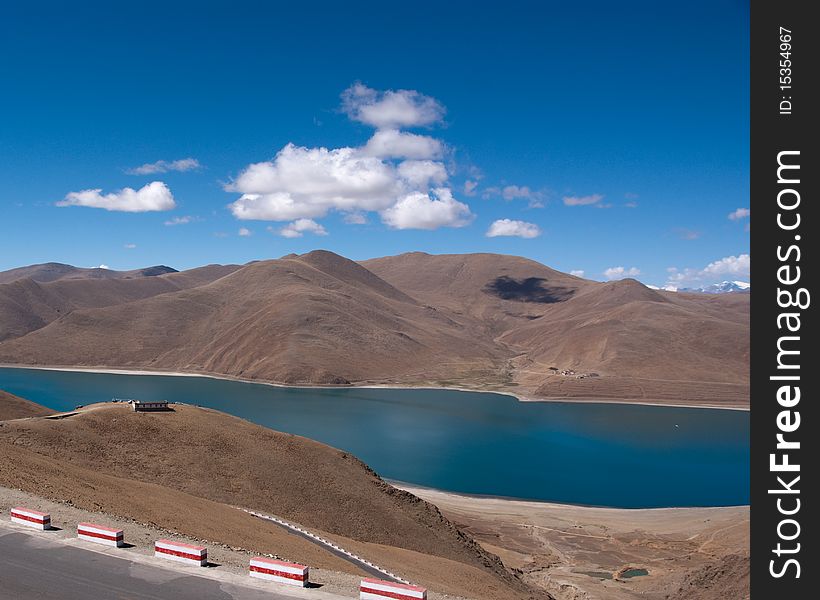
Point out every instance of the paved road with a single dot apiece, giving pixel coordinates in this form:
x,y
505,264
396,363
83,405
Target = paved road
x,y
35,568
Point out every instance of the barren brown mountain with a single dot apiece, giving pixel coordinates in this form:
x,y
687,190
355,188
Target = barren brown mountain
x,y
14,407
226,461
481,321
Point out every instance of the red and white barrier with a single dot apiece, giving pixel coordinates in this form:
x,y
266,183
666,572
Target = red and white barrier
x,y
279,571
100,535
376,589
32,518
184,553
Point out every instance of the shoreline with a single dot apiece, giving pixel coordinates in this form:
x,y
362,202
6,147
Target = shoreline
x,y
518,397
463,497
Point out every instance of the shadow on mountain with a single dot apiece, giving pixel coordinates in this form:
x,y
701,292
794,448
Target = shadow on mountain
x,y
531,289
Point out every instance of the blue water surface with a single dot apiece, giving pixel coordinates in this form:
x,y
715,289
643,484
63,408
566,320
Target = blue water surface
x,y
615,455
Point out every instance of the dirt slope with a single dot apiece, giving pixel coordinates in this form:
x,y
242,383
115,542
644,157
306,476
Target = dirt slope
x,y
14,407
223,459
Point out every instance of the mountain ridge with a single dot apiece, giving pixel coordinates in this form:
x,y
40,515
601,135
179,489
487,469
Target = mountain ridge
x,y
480,321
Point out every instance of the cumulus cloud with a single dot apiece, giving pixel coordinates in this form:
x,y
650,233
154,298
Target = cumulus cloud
x,y
106,267
154,196
301,226
390,109
739,214
308,182
392,143
583,200
163,166
420,174
418,210
179,221
129,246
393,173
245,232
613,273
508,227
731,267
577,272
470,187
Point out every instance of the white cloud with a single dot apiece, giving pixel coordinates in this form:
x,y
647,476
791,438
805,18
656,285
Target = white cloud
x,y
621,272
577,272
106,267
508,227
392,108
154,196
129,246
420,174
299,227
391,143
245,232
583,200
308,182
163,166
418,210
728,267
179,221
355,218
739,214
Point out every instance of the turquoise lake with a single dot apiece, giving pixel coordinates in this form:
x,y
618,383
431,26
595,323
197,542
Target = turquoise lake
x,y
615,455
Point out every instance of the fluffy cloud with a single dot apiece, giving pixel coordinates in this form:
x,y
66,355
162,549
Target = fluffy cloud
x,y
427,211
508,227
583,200
395,173
392,143
577,272
739,214
301,226
420,174
620,273
734,267
390,109
163,166
245,232
470,187
129,246
154,196
308,182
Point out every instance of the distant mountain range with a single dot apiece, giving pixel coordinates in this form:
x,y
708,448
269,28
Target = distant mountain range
x,y
724,287
483,321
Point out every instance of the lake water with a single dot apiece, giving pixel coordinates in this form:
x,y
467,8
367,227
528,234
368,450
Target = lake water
x,y
598,454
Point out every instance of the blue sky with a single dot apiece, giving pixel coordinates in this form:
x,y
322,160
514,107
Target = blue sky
x,y
589,136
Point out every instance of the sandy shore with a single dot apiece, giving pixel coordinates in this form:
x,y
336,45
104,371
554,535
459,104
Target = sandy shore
x,y
576,552
519,397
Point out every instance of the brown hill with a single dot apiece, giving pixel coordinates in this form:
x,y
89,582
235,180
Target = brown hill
x,y
14,407
318,318
639,343
29,303
210,455
52,271
477,320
